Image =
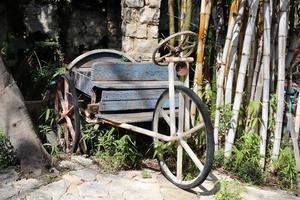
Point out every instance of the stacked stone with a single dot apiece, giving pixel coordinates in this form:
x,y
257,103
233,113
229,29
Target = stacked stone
x,y
140,27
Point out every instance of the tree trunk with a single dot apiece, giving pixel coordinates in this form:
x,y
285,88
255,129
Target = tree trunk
x,y
17,125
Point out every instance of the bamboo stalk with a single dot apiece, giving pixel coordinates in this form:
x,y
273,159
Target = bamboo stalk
x,y
256,69
171,20
233,53
266,82
221,73
241,77
182,15
187,20
203,26
282,34
251,66
297,127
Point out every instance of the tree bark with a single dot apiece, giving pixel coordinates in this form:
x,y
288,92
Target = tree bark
x,y
16,124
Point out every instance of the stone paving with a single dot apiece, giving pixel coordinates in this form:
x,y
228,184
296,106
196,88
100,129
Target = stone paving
x,y
82,180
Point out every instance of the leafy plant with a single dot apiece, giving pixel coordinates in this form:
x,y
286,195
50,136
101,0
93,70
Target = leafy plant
x,y
229,190
244,161
113,150
285,168
226,114
6,152
219,159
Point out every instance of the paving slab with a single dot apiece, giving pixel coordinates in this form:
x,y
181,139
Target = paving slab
x,y
86,182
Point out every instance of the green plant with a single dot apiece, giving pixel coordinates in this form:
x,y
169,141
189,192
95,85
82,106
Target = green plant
x,y
6,152
115,150
146,174
285,168
162,148
219,159
229,190
244,161
226,114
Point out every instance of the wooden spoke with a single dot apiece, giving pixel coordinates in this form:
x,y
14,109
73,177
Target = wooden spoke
x,y
192,155
189,133
179,162
70,126
181,114
165,116
182,42
172,49
163,57
66,90
188,47
66,136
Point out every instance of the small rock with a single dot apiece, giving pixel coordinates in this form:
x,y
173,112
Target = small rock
x,y
82,160
66,164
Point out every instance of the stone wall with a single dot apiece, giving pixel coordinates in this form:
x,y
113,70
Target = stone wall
x,y
140,20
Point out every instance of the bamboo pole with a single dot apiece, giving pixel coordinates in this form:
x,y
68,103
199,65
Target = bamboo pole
x,y
297,127
187,20
266,82
256,69
171,20
221,73
203,26
241,77
233,53
282,34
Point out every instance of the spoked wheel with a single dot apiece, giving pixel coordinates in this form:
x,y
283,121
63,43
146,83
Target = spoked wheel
x,y
188,161
67,114
181,44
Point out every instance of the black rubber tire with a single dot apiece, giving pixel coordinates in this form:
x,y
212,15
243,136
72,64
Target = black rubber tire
x,y
209,137
76,116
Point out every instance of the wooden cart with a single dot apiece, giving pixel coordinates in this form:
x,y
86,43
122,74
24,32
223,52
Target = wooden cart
x,y
122,92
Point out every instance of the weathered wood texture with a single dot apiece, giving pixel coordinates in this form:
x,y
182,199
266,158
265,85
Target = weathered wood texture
x,y
128,72
125,100
103,55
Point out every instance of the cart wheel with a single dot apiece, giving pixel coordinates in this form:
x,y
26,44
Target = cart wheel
x,y
67,113
181,44
188,161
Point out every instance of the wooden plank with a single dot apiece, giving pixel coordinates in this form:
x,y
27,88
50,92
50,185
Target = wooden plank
x,y
127,105
141,104
132,84
83,83
127,117
128,72
119,95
